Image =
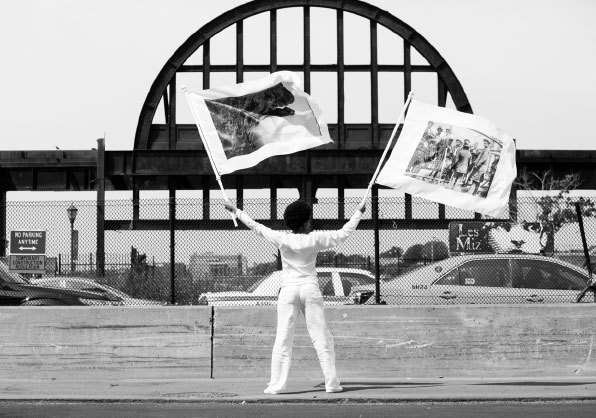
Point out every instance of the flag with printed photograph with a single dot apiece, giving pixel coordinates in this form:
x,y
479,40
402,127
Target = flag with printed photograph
x,y
458,159
243,124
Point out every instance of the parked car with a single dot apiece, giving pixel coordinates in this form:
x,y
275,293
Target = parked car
x,y
336,286
16,290
485,278
117,297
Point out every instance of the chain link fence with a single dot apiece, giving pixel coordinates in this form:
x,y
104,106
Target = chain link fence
x,y
421,260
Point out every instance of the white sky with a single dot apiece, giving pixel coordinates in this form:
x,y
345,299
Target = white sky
x,y
74,70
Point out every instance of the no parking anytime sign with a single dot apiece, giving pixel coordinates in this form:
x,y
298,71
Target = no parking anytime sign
x,y
27,242
27,250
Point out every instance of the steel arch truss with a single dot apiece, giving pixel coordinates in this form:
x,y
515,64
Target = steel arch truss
x,y
173,136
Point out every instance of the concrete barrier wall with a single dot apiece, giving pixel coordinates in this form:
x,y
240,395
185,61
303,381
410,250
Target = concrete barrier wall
x,y
421,341
111,342
383,341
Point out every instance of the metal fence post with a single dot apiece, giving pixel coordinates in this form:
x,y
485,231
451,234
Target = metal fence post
x,y
375,216
591,286
101,207
172,204
72,249
3,237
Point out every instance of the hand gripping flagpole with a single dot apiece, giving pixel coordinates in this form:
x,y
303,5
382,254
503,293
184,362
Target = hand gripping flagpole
x,y
217,175
374,177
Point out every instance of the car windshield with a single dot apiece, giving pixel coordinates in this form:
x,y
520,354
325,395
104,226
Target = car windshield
x,y
117,292
10,276
82,284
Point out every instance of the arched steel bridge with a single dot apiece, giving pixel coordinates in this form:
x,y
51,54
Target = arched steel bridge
x,y
170,155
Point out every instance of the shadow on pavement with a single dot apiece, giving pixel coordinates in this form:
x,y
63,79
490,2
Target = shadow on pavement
x,y
388,384
536,384
356,386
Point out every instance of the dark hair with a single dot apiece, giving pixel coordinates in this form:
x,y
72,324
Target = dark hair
x,y
297,214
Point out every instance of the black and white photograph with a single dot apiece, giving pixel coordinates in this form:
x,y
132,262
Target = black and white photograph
x,y
245,123
238,119
452,157
298,208
457,158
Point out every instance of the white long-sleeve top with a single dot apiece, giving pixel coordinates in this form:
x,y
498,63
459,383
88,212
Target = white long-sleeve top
x,y
299,251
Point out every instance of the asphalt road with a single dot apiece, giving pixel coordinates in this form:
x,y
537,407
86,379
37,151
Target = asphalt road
x,y
296,410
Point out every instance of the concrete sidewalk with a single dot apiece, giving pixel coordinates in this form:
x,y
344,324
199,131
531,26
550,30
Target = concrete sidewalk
x,y
301,390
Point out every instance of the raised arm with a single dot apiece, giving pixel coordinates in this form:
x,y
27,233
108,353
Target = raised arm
x,y
269,234
329,239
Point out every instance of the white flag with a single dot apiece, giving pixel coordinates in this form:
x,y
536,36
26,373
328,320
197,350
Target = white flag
x,y
243,124
454,158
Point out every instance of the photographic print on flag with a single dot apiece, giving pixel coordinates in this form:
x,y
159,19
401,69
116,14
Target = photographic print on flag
x,y
243,124
455,158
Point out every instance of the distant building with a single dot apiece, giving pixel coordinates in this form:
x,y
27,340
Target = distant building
x,y
217,265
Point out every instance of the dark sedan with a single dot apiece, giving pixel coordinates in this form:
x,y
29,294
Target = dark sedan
x,y
15,290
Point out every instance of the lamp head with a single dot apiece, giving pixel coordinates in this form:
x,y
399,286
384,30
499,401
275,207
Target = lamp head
x,y
72,213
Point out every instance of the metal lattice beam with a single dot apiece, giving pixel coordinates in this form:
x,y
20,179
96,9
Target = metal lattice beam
x,y
77,170
376,16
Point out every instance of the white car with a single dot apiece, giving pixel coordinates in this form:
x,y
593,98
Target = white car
x,y
89,285
336,286
485,278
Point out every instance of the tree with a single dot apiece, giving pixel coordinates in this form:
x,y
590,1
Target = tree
x,y
393,252
137,276
415,252
556,208
435,250
138,262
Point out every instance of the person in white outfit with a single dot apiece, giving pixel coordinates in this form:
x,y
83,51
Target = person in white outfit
x,y
300,288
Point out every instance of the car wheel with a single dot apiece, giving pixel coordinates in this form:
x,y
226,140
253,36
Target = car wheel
x,y
42,302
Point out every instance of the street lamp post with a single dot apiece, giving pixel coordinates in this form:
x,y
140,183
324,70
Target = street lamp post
x,y
72,215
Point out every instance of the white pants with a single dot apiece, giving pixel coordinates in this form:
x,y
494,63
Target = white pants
x,y
308,299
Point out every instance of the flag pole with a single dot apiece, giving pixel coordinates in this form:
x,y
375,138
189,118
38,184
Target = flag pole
x,y
217,175
374,177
